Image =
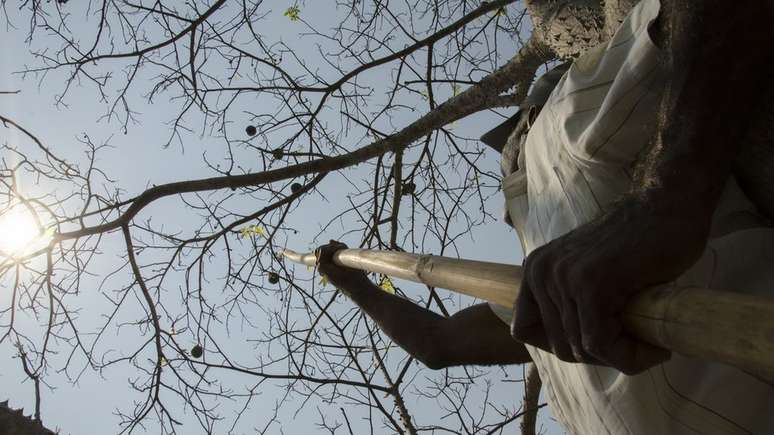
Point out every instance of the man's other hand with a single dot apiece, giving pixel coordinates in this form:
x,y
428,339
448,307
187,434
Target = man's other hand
x,y
575,288
345,279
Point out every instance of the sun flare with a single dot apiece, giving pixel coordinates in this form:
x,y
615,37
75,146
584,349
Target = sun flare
x,y
18,231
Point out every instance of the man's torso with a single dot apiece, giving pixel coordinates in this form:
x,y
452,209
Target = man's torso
x,y
577,161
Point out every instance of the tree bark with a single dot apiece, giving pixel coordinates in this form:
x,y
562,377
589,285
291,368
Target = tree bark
x,y
532,386
615,11
568,27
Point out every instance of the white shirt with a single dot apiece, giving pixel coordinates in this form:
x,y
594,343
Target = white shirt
x,y
577,161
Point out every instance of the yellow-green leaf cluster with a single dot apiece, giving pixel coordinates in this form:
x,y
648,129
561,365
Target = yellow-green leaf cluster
x,y
252,230
293,13
385,283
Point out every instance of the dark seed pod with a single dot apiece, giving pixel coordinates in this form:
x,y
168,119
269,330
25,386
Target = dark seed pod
x,y
273,277
278,154
408,188
197,351
251,130
295,187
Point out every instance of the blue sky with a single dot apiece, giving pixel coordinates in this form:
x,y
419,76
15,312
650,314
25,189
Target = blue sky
x,y
86,402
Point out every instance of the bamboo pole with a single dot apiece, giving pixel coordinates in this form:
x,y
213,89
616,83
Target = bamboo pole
x,y
728,327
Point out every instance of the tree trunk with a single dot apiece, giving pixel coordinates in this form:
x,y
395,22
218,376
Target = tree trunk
x,y
531,402
568,27
615,11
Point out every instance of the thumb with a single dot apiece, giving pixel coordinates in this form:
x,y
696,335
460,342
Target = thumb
x,y
527,324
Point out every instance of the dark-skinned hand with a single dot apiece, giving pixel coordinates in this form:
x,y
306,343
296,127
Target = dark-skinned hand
x,y
576,287
345,279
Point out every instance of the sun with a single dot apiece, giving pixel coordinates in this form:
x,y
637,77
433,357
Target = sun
x,y
18,231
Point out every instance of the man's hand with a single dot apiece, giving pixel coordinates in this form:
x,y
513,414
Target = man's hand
x,y
346,279
575,288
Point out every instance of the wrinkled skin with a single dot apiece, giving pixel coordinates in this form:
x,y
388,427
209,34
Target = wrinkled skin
x,y
576,287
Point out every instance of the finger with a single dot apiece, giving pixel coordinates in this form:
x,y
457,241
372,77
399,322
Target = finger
x,y
543,289
527,325
562,294
552,322
572,330
605,339
526,312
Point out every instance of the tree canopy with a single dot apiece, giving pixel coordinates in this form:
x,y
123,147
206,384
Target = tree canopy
x,y
190,141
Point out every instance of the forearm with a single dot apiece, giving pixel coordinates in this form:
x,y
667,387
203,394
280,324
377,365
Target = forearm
x,y
714,66
471,336
412,327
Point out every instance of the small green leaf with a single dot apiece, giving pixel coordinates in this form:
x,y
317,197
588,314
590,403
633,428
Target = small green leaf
x,y
386,284
252,229
292,13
